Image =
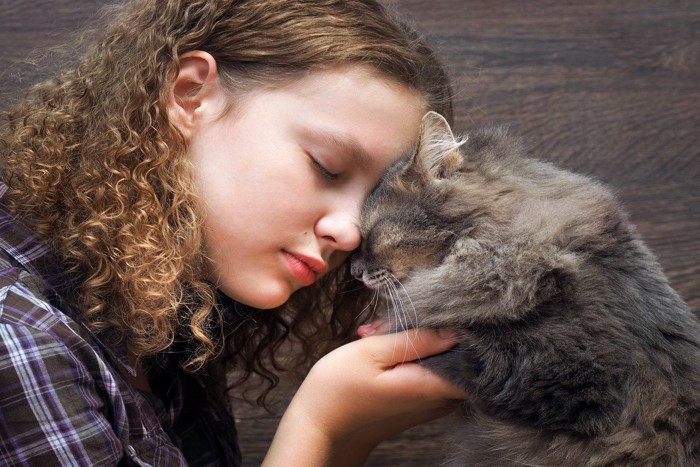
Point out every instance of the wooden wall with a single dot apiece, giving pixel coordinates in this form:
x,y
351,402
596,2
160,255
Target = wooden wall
x,y
605,88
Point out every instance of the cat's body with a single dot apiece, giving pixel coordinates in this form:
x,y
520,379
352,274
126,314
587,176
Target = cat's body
x,y
572,346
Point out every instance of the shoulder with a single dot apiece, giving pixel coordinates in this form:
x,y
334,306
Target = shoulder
x,y
71,400
48,378
24,304
40,345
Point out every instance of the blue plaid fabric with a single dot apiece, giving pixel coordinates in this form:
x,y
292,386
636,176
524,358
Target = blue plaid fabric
x,y
63,398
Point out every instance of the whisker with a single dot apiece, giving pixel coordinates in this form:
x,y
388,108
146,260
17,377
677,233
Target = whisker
x,y
391,308
405,292
400,310
371,305
359,287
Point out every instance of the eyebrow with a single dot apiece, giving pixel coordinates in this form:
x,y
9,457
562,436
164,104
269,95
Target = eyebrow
x,y
344,143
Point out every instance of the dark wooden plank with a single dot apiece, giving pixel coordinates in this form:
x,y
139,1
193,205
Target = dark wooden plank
x,y
609,89
28,33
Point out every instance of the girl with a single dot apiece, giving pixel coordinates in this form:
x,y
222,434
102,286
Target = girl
x,y
183,202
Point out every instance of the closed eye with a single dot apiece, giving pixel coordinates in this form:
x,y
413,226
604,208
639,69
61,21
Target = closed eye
x,y
324,171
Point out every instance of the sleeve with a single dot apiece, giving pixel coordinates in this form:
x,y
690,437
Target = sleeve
x,y
52,412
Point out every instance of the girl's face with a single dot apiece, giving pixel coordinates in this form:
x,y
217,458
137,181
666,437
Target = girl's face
x,y
284,175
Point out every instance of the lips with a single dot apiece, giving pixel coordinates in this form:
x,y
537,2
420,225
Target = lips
x,y
305,269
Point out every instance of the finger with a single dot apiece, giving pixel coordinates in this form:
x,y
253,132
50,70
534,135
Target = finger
x,y
392,349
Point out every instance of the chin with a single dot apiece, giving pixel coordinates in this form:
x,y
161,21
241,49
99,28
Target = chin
x,y
260,298
268,304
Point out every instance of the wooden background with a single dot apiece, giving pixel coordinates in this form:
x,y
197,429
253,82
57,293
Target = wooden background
x,y
609,88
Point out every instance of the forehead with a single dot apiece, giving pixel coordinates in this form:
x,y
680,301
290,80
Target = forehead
x,y
355,107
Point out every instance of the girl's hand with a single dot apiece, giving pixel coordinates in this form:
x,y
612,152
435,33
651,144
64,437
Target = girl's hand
x,y
359,395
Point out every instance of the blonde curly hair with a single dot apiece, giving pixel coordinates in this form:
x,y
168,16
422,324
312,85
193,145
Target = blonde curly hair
x,y
95,167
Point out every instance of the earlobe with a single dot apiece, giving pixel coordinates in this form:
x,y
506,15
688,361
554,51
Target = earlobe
x,y
191,89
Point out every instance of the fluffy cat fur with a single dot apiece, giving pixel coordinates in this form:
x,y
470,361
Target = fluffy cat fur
x,y
572,346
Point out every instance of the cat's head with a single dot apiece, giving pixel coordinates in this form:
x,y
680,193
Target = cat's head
x,y
403,225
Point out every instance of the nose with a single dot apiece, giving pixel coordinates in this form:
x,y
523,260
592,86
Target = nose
x,y
340,229
357,267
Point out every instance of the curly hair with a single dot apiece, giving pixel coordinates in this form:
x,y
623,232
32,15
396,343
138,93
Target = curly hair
x,y
95,167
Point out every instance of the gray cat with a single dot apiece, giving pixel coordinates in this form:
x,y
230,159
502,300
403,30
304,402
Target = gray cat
x,y
573,348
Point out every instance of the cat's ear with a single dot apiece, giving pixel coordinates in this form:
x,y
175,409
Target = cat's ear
x,y
437,154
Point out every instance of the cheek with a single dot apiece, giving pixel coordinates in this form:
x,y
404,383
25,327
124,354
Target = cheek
x,y
402,263
406,260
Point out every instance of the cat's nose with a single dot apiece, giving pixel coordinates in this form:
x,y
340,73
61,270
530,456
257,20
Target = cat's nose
x,y
357,268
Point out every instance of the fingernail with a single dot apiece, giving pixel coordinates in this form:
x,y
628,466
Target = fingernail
x,y
447,333
367,329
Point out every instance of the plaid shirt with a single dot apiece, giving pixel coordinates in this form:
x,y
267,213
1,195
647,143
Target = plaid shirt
x,y
63,399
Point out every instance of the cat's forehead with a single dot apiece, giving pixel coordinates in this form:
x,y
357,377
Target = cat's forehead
x,y
395,200
387,231
388,197
393,213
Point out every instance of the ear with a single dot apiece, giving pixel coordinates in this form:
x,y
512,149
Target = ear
x,y
437,153
192,90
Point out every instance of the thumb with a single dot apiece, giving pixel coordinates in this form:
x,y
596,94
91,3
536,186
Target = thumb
x,y
392,349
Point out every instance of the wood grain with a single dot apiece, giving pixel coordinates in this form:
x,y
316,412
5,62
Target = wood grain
x,y
608,89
